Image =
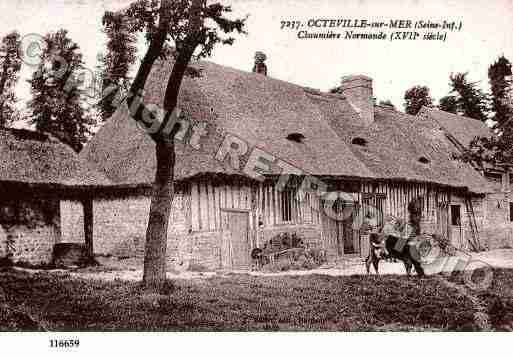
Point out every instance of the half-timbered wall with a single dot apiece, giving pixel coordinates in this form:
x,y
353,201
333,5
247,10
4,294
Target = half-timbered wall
x,y
288,210
208,199
491,213
270,211
395,198
199,230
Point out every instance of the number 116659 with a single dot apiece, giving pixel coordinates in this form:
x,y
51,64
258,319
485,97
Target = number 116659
x,y
64,343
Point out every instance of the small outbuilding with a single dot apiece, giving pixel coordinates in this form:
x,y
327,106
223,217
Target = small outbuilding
x,y
43,189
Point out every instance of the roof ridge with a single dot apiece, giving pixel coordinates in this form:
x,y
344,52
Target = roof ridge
x,y
451,114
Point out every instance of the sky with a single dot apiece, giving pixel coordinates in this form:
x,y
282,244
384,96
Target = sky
x,y
487,32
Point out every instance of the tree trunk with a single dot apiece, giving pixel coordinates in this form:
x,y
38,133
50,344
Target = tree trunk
x,y
3,81
163,188
160,210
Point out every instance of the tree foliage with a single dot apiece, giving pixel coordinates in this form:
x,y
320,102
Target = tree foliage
x,y
499,75
496,150
449,104
471,101
415,98
57,106
10,65
120,55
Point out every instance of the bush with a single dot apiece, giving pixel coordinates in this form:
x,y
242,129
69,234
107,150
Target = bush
x,y
444,244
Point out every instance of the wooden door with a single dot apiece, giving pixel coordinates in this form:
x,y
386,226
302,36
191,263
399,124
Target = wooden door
x,y
443,219
349,244
237,251
330,235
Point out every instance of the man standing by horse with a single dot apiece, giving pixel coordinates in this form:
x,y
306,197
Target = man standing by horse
x,y
398,241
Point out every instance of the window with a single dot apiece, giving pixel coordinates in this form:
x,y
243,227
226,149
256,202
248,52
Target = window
x,y
511,211
497,178
424,160
296,137
287,205
359,141
455,215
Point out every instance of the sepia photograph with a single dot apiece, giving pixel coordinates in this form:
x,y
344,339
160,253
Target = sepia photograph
x,y
255,166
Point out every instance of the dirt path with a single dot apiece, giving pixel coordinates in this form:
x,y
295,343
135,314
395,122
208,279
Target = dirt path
x,y
349,266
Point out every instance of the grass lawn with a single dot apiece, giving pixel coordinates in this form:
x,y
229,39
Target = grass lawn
x,y
243,302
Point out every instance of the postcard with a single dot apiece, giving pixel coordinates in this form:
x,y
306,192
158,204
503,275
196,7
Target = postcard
x,y
186,170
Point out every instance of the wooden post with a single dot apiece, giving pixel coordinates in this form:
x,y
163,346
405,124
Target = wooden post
x,y
88,226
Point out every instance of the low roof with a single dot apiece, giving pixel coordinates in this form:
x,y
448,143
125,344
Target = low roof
x,y
38,158
264,111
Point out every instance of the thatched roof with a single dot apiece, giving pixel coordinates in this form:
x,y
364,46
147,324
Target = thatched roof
x,y
464,129
264,111
261,110
37,158
404,147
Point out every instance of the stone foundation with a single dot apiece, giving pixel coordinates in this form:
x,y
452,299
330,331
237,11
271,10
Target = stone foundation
x,y
29,230
33,246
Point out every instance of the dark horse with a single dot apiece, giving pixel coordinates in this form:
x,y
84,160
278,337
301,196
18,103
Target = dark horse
x,y
397,248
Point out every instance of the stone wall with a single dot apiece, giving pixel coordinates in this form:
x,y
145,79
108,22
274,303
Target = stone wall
x,y
33,245
32,228
72,222
497,229
204,250
120,224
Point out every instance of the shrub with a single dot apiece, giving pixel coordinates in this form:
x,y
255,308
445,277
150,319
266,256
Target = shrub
x,y
444,244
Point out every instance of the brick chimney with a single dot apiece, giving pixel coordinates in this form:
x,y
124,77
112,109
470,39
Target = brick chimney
x,y
260,67
357,89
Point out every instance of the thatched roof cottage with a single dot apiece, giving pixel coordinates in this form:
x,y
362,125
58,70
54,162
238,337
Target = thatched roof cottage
x,y
375,158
